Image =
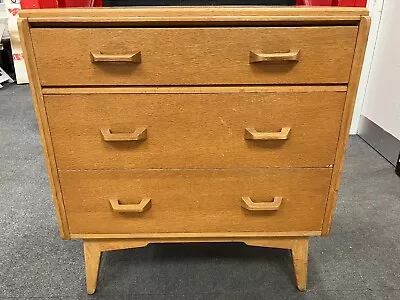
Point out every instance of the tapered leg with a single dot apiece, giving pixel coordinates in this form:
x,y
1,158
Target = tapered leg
x,y
299,248
300,262
94,247
92,265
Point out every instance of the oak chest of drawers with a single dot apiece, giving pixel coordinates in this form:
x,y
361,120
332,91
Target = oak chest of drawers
x,y
194,124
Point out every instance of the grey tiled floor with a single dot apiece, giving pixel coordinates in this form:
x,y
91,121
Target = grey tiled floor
x,y
359,260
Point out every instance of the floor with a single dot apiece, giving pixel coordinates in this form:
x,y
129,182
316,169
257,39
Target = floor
x,y
359,260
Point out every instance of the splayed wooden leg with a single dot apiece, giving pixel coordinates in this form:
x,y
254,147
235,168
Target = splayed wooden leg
x,y
94,248
299,249
300,262
92,265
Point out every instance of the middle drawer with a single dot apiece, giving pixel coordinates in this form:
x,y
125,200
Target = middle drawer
x,y
224,129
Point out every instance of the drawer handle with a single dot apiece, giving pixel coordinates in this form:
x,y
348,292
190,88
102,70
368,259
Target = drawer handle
x,y
144,205
248,204
258,57
135,57
138,135
252,134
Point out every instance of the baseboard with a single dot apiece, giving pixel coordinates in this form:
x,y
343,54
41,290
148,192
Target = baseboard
x,y
383,142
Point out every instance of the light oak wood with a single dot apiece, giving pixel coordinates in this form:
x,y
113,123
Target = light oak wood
x,y
142,206
92,255
197,237
195,130
93,251
139,134
174,56
99,57
259,57
196,21
194,89
45,136
116,244
359,53
203,236
300,262
212,198
201,16
299,251
248,204
94,248
253,134
230,123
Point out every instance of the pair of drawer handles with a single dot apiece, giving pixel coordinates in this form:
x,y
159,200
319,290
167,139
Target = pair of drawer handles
x,y
145,204
254,57
140,134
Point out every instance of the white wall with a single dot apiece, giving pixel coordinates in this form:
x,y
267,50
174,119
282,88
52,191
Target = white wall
x,y
382,93
375,10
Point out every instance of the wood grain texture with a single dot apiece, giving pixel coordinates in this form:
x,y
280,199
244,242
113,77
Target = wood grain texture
x,y
94,248
137,134
142,206
253,134
130,78
359,53
117,244
279,243
197,15
290,56
99,57
248,204
195,130
300,262
37,99
208,56
299,250
212,199
92,255
194,89
183,21
93,251
198,237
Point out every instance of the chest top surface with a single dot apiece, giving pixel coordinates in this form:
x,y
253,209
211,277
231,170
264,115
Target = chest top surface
x,y
210,14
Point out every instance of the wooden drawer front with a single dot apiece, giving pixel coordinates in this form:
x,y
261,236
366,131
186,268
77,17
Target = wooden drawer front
x,y
194,200
194,130
176,56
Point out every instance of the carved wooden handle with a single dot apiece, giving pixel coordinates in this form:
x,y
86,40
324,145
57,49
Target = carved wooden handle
x,y
135,57
258,57
252,134
144,205
139,134
248,204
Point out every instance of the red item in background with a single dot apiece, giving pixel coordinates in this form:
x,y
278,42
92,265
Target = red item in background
x,y
319,2
355,3
33,4
75,3
29,4
349,3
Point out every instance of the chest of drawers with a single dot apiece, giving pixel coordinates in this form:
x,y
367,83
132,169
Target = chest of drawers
x,y
194,124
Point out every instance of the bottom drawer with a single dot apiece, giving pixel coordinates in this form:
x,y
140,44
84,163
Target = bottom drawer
x,y
195,201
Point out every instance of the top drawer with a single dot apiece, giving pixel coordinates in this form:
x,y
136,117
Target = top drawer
x,y
194,56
